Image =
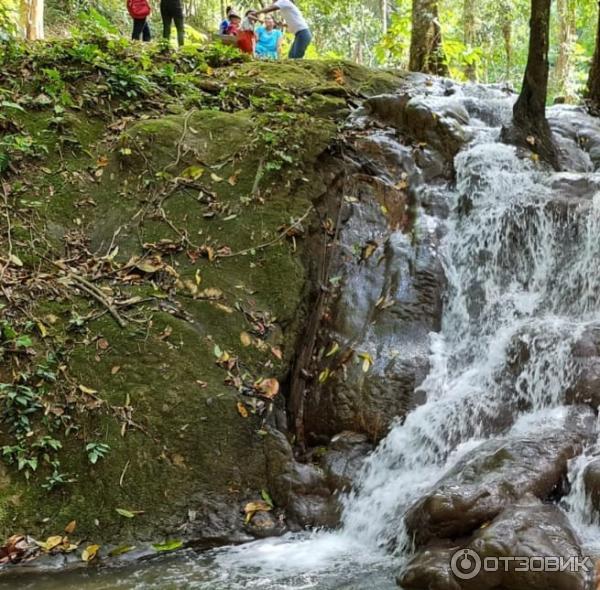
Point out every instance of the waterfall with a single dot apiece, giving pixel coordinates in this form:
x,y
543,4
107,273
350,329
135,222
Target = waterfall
x,y
521,275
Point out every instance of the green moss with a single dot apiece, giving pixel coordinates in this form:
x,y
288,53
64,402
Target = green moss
x,y
184,439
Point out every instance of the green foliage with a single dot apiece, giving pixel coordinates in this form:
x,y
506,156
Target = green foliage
x,y
96,451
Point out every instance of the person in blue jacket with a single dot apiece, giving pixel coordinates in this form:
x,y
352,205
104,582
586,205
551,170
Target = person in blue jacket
x,y
269,40
225,23
296,23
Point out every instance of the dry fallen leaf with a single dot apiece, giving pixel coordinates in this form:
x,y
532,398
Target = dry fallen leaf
x,y
241,408
90,553
70,528
253,507
268,388
245,339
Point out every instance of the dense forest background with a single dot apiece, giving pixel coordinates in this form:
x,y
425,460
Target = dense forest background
x,y
483,40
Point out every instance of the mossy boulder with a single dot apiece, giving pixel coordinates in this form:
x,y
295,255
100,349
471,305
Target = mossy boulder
x,y
163,247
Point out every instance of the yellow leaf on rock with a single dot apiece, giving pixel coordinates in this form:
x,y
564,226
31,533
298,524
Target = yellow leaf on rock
x,y
87,390
269,388
90,552
14,259
253,507
367,361
193,172
257,506
324,375
241,408
52,542
334,348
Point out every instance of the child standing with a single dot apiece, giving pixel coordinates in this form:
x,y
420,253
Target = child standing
x,y
246,39
140,10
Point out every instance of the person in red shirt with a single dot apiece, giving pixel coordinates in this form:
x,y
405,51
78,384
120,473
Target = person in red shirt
x,y
234,24
140,10
246,38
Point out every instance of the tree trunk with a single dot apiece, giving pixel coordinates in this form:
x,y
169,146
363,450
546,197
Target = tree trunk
x,y
470,34
530,126
32,19
384,16
426,51
505,11
567,35
594,79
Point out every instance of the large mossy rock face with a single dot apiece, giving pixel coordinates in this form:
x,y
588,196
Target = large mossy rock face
x,y
217,299
188,447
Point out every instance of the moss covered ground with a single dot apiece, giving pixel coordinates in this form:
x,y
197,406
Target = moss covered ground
x,y
154,211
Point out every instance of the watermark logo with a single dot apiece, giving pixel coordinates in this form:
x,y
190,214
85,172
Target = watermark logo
x,y
466,564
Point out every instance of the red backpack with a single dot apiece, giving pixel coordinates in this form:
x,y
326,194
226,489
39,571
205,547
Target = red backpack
x,y
138,9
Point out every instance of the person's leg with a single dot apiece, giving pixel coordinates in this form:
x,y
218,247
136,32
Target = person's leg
x,y
138,26
146,33
294,48
302,41
180,26
166,19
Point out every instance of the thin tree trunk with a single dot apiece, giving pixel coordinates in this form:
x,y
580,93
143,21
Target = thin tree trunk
x,y
594,78
384,16
505,10
426,51
530,126
32,19
470,34
567,35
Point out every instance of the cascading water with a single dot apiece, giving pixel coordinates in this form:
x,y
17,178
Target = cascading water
x,y
523,284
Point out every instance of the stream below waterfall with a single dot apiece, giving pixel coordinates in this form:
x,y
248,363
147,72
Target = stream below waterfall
x,y
523,274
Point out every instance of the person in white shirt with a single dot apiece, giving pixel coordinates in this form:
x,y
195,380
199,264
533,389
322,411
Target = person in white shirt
x,y
297,25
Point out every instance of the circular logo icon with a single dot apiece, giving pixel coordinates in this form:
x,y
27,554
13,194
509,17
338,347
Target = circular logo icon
x,y
465,564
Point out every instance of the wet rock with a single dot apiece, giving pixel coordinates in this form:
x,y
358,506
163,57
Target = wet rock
x,y
266,524
430,569
586,356
215,520
386,300
343,460
438,121
495,475
313,511
301,489
591,480
578,137
529,529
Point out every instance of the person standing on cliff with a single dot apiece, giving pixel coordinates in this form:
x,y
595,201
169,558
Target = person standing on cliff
x,y
171,12
140,10
297,25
